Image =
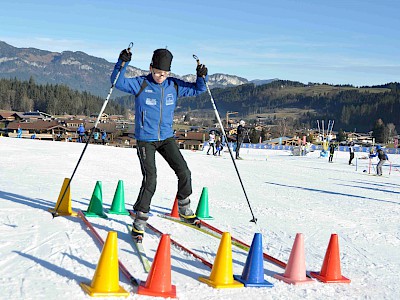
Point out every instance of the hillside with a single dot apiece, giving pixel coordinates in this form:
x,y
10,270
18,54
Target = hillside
x,y
350,107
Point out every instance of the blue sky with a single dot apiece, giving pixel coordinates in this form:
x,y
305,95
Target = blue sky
x,y
338,42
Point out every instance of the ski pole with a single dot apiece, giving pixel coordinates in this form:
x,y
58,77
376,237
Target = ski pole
x,y
224,134
55,212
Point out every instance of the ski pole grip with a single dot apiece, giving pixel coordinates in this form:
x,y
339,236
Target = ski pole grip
x,y
128,50
197,59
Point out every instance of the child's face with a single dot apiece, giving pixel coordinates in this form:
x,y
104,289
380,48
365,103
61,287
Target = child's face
x,y
159,76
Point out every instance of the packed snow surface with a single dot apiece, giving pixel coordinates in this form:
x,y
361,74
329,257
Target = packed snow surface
x,y
46,258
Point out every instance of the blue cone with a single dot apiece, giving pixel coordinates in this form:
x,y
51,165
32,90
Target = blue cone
x,y
253,271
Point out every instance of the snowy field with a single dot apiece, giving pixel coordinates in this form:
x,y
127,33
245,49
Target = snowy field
x,y
46,258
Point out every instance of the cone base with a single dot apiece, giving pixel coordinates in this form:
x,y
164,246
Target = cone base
x,y
247,283
93,293
321,278
293,281
172,216
124,213
234,284
205,218
94,215
142,290
63,213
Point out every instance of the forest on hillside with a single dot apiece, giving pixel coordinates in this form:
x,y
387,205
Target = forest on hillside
x,y
350,107
54,99
353,109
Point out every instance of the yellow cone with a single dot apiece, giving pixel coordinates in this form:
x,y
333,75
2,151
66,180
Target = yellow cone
x,y
65,206
105,281
221,276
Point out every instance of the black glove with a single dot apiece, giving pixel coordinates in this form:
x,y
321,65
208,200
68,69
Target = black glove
x,y
125,55
201,71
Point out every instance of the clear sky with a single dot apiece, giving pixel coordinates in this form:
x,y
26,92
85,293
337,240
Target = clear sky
x,y
334,41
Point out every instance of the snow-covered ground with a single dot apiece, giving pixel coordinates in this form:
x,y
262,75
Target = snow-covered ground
x,y
46,258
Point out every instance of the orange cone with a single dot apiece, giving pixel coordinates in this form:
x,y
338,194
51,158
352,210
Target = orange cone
x,y
174,212
158,283
295,271
330,271
221,276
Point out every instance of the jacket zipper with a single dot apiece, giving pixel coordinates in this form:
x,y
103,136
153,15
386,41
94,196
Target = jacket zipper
x,y
161,106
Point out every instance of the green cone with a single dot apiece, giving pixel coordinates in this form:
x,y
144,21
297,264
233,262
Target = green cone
x,y
202,208
118,204
95,208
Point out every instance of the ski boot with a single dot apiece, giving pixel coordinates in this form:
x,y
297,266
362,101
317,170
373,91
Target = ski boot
x,y
139,226
186,214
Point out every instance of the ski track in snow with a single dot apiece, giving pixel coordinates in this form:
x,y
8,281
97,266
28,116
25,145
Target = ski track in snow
x,y
289,195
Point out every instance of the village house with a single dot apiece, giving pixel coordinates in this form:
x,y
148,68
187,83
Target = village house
x,y
190,140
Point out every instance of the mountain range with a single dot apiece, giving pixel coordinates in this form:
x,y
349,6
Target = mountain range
x,y
81,71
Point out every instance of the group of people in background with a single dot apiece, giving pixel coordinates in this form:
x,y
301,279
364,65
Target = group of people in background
x,y
377,152
97,135
216,144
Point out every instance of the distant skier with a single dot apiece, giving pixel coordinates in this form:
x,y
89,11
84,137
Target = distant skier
x,y
332,148
103,137
351,150
382,158
218,147
96,137
81,133
211,143
19,132
239,137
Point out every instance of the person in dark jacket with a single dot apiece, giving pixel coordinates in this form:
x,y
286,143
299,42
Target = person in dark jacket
x,y
351,150
239,137
155,101
382,158
332,148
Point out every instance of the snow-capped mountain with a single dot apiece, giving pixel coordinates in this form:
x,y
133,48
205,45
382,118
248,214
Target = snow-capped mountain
x,y
77,70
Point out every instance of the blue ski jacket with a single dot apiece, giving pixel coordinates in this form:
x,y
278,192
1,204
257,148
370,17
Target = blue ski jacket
x,y
155,105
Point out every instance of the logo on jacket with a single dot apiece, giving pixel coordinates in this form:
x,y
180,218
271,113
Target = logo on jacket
x,y
151,101
169,100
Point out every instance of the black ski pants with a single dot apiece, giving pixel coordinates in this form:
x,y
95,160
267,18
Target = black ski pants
x,y
170,152
238,145
351,157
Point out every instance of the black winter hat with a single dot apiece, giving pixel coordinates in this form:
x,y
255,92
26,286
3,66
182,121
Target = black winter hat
x,y
162,59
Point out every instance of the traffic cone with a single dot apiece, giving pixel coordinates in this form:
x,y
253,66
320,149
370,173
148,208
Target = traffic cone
x,y
221,276
118,204
105,282
253,271
331,271
295,271
202,208
95,208
158,283
174,211
65,204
